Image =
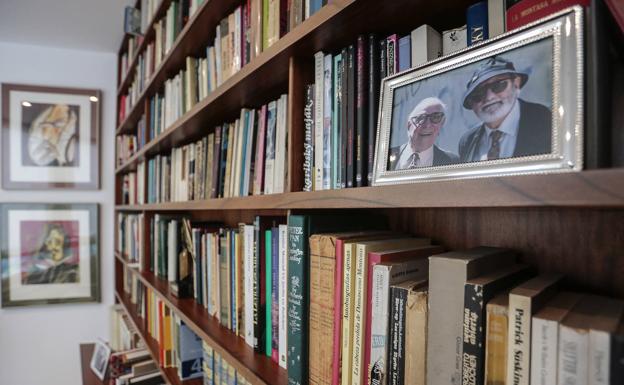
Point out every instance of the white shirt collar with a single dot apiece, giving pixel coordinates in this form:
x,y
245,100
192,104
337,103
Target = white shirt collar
x,y
425,158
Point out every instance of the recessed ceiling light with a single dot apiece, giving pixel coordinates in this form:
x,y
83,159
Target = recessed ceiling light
x,y
26,104
93,98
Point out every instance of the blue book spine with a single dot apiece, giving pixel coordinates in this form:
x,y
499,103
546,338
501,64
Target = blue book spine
x,y
191,354
477,22
315,5
405,53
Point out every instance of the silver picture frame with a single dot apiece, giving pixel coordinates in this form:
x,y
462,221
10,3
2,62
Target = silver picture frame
x,y
565,31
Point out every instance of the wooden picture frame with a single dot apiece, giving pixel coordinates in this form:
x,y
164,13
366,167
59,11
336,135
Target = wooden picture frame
x,y
50,253
511,105
50,137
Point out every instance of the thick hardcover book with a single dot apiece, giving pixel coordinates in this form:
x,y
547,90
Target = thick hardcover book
x,y
448,274
361,138
405,53
336,168
299,229
394,266
319,85
477,23
524,300
308,142
426,45
477,293
496,340
373,100
453,40
397,333
545,337
344,113
351,100
328,92
522,12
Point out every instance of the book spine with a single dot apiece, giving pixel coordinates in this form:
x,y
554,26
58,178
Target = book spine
x,y
315,322
268,255
260,151
335,123
361,158
496,17
573,356
318,119
297,299
308,144
269,160
338,291
617,359
391,59
396,349
275,294
373,100
518,349
474,335
343,118
404,53
283,263
347,313
544,345
248,245
378,368
258,288
477,23
599,357
415,346
351,81
327,121
224,158
521,13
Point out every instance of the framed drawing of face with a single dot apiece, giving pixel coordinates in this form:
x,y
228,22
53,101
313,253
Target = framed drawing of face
x,y
512,105
50,253
50,137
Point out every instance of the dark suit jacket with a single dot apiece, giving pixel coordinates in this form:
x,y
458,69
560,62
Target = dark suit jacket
x,y
534,133
440,157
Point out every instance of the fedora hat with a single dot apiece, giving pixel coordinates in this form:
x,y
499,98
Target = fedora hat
x,y
493,66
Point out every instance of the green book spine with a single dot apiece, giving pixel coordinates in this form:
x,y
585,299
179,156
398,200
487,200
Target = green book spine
x,y
298,228
268,291
265,24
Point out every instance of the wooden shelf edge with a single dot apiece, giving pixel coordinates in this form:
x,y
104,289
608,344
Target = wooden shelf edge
x,y
168,374
602,188
278,375
326,13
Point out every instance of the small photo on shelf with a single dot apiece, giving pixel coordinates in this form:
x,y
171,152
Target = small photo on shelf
x,y
510,105
99,359
49,253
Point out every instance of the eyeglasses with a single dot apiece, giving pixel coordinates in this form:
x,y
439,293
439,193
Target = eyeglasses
x,y
434,117
496,87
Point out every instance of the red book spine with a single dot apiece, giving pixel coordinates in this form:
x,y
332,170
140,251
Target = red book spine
x,y
527,11
336,359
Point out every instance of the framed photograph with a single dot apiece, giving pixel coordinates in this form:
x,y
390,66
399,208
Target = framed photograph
x,y
50,137
49,253
511,105
99,359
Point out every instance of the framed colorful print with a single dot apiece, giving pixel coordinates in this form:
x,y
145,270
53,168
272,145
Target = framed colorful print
x,y
50,253
510,105
50,137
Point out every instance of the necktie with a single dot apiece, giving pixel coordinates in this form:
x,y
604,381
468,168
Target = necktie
x,y
413,160
494,152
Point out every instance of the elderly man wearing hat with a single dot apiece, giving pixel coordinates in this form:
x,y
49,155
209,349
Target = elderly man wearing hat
x,y
511,126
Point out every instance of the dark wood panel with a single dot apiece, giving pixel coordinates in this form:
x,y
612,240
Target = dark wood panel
x,y
594,188
88,377
168,374
257,368
587,245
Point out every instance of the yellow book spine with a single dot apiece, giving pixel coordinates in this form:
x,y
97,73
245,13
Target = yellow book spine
x,y
496,346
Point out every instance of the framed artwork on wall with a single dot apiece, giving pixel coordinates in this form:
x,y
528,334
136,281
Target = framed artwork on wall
x,y
50,137
50,253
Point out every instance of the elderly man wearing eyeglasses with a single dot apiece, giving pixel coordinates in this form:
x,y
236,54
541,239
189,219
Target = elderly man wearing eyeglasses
x,y
510,126
423,126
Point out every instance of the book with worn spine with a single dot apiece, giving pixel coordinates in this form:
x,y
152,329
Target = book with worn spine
x,y
308,142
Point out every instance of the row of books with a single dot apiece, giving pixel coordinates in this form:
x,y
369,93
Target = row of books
x,y
247,156
128,56
359,302
179,346
130,237
126,146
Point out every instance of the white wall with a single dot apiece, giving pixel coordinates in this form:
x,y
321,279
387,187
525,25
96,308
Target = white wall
x,y
40,345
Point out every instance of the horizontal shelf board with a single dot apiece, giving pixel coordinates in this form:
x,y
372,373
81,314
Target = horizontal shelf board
x,y
169,374
256,368
594,188
149,36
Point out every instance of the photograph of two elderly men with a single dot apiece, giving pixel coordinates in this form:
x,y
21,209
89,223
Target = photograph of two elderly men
x,y
495,108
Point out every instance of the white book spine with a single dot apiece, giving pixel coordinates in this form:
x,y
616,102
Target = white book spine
x,y
280,146
453,40
327,120
496,17
379,319
573,356
318,120
217,54
544,351
249,272
283,277
519,346
237,40
209,271
426,45
599,357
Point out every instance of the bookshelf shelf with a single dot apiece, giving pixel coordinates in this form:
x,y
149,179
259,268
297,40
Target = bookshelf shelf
x,y
595,188
256,368
147,38
168,374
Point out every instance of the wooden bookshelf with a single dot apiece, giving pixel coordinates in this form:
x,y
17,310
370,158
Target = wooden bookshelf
x,y
571,223
168,374
257,368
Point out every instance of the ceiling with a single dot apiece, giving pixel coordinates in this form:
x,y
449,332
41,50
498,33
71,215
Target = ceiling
x,y
94,25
